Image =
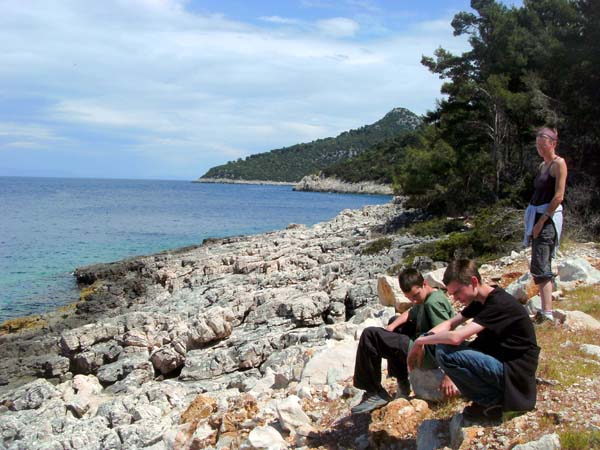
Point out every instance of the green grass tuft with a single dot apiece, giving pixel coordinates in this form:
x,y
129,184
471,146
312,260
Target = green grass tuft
x,y
577,440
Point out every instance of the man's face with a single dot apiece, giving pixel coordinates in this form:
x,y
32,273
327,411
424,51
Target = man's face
x,y
544,143
416,294
464,293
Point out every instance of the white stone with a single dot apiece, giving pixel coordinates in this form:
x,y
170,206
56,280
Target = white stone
x,y
577,320
267,438
593,350
547,442
577,270
339,354
291,414
518,288
435,277
390,294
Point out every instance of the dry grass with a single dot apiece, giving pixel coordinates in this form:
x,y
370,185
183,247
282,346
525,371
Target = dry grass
x,y
562,359
585,299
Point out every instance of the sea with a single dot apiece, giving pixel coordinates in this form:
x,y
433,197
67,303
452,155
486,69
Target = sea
x,y
50,226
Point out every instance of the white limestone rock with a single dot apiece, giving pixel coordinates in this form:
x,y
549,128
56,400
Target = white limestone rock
x,y
267,438
573,271
593,350
547,442
435,278
291,415
390,294
339,354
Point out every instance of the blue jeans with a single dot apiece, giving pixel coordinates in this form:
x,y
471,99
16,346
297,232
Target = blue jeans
x,y
478,376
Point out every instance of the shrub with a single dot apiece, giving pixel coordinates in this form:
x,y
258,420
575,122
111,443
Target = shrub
x,y
496,231
377,246
582,218
437,227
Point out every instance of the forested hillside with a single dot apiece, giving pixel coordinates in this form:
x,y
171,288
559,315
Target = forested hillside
x,y
292,163
375,164
530,66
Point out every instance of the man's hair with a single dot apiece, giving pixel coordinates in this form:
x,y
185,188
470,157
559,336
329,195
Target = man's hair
x,y
410,277
461,270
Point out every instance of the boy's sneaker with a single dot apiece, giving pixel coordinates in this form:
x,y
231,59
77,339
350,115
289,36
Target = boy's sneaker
x,y
403,390
542,317
371,401
476,411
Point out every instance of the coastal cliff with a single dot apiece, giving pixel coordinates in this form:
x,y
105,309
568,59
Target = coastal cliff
x,y
316,183
249,342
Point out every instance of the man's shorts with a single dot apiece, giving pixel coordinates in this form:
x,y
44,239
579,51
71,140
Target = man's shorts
x,y
541,253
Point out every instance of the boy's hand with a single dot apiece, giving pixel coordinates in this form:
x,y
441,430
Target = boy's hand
x,y
448,388
415,356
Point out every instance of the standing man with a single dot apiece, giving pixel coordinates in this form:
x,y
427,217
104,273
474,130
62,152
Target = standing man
x,y
544,218
496,371
430,308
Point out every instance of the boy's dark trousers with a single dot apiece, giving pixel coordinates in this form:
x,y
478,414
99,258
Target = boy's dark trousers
x,y
377,343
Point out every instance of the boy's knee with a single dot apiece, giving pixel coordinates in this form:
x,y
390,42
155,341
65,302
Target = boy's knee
x,y
368,332
441,353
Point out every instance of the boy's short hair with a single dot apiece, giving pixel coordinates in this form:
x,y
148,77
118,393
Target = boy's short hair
x,y
461,270
410,277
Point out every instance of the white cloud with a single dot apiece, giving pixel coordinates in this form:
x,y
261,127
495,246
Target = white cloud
x,y
17,135
338,27
281,20
149,76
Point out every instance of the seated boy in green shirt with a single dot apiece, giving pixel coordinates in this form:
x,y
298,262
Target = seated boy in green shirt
x,y
430,308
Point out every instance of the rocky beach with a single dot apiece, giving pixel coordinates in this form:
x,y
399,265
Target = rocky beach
x,y
249,341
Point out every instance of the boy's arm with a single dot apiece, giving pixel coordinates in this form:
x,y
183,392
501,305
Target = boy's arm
x,y
400,320
415,356
453,336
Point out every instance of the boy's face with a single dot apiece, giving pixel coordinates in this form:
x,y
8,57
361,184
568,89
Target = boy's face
x,y
416,294
464,293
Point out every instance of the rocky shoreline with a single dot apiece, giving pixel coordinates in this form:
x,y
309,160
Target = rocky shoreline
x,y
231,181
242,342
317,183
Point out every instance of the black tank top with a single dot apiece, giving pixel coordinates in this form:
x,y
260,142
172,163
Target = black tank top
x,y
544,187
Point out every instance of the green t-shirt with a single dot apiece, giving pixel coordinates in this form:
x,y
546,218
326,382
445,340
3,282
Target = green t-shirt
x,y
435,310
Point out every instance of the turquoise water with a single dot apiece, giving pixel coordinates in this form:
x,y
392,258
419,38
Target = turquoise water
x,y
50,226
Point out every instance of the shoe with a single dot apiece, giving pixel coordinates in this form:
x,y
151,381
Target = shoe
x,y
403,390
476,411
540,318
371,401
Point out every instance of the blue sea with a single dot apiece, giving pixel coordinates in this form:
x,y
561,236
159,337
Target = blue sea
x,y
50,226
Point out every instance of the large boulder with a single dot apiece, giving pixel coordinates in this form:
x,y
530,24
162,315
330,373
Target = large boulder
x,y
390,294
338,354
577,271
425,384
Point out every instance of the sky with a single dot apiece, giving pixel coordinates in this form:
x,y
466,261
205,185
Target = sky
x,y
166,89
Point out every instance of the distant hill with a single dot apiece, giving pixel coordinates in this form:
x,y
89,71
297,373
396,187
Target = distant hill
x,y
376,164
290,164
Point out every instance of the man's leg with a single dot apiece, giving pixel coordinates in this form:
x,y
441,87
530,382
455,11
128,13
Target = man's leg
x,y
541,266
478,376
377,343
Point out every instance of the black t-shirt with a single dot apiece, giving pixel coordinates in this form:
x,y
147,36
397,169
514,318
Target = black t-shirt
x,y
508,336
